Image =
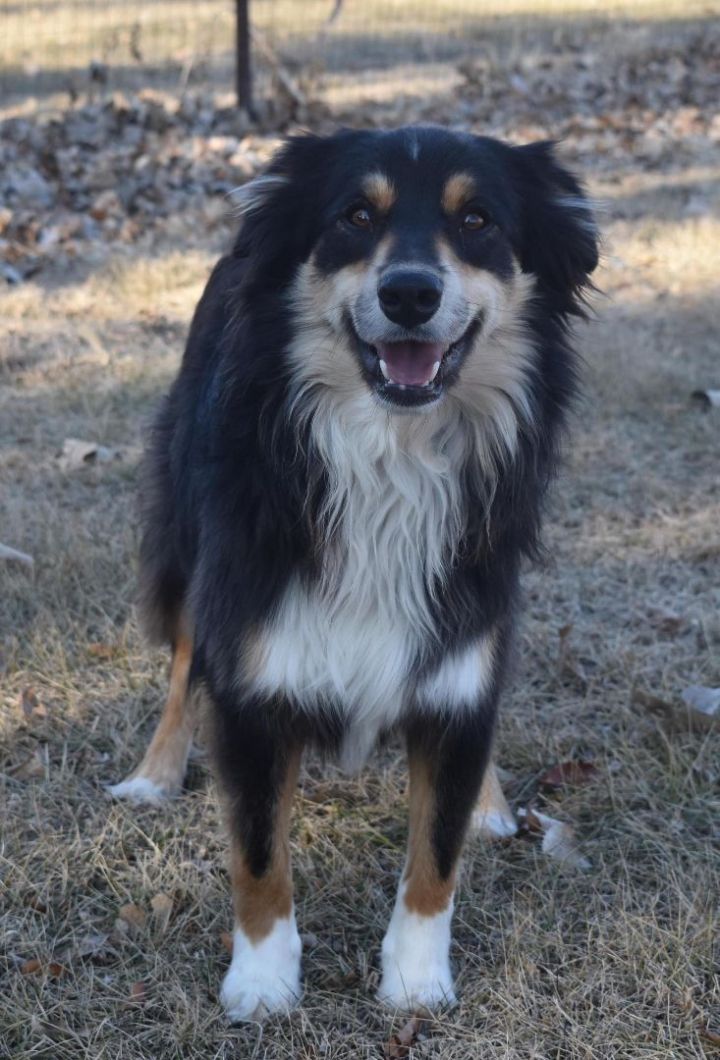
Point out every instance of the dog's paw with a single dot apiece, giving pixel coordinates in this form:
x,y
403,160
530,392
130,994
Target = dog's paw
x,y
253,997
413,987
139,789
494,823
264,977
416,960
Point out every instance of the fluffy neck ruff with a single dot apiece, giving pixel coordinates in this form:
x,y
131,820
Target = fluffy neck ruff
x,y
395,499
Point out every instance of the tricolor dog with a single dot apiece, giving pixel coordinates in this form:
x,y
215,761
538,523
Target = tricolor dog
x,y
339,492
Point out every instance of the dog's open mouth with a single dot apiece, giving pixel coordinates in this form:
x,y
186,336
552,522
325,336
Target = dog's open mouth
x,y
414,364
411,372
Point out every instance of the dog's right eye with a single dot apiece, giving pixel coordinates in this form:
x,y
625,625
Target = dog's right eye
x,y
359,217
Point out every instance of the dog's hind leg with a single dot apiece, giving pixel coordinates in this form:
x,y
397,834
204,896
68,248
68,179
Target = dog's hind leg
x,y
161,773
492,817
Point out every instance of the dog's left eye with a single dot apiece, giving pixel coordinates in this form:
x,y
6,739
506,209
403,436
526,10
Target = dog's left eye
x,y
474,220
359,217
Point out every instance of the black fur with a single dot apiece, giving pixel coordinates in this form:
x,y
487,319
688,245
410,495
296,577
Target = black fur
x,y
231,493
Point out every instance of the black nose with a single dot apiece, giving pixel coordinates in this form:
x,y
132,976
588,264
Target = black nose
x,y
409,297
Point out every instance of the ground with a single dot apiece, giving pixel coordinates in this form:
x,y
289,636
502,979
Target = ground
x,y
113,917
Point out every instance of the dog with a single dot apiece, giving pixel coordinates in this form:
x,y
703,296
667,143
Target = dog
x,y
338,495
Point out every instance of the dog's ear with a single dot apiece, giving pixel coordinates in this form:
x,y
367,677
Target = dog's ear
x,y
277,209
253,196
558,237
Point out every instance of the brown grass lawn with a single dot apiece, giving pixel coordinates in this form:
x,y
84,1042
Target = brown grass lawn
x,y
552,964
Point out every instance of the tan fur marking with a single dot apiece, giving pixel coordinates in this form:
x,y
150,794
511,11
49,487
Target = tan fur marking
x,y
426,893
380,191
458,189
166,757
492,798
261,900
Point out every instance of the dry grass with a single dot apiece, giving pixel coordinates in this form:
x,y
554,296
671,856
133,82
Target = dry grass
x,y
386,45
552,965
76,32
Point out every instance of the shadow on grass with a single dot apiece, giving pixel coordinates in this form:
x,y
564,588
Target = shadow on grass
x,y
499,37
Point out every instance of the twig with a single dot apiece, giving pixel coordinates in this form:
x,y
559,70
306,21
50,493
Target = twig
x,y
284,79
335,13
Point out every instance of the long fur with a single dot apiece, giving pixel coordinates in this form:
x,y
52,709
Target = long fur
x,y
328,551
340,490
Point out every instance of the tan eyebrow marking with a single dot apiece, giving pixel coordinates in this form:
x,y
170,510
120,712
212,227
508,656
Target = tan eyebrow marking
x,y
380,190
458,189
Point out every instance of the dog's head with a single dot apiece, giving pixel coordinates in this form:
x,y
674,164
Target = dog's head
x,y
409,248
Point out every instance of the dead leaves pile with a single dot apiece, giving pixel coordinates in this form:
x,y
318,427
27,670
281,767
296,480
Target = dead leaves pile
x,y
107,172
650,104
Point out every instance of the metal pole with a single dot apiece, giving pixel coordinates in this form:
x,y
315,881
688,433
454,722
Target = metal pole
x,y
243,74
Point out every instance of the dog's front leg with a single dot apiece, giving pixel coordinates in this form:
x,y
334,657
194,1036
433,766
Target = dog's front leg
x,y
447,761
258,770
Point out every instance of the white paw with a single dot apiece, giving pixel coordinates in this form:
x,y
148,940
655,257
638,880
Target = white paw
x,y
264,977
139,790
494,824
408,987
415,959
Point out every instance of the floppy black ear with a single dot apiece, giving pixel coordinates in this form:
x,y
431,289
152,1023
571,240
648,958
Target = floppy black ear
x,y
277,210
558,237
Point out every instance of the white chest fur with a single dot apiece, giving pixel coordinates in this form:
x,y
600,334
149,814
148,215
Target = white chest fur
x,y
393,517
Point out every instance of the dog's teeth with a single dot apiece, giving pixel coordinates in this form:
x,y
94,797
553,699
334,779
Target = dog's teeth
x,y
384,370
435,370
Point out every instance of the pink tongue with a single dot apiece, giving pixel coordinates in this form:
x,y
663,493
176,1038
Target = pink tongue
x,y
410,363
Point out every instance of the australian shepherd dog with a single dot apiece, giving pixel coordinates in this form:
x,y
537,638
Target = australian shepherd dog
x,y
339,493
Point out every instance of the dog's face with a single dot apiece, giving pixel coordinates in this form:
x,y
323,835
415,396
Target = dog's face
x,y
410,246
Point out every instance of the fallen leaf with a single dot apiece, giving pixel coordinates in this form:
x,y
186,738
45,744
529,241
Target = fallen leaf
x,y
398,1047
227,941
567,663
138,992
13,555
76,453
708,399
93,945
558,838
30,705
668,622
699,710
710,1035
564,634
101,651
33,902
162,907
568,774
35,965
703,705
132,915
35,766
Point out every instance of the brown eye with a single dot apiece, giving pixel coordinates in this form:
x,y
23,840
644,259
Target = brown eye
x,y
474,221
360,217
